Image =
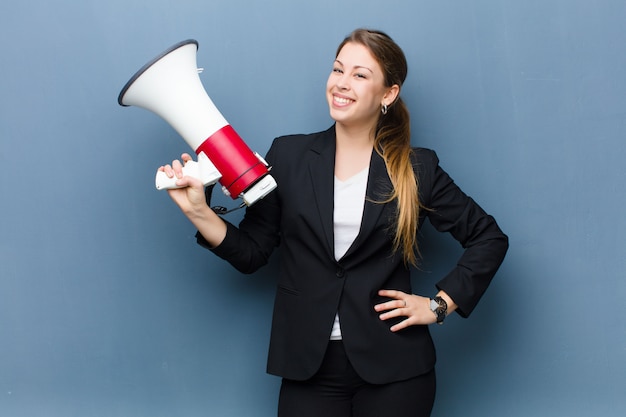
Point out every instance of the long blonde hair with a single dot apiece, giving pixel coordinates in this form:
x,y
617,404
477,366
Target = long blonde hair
x,y
393,140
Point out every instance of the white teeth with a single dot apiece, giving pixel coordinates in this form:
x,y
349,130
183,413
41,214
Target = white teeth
x,y
341,100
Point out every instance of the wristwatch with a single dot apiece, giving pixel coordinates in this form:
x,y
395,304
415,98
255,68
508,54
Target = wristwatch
x,y
439,306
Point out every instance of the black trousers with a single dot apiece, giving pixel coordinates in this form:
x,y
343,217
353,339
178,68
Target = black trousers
x,y
337,391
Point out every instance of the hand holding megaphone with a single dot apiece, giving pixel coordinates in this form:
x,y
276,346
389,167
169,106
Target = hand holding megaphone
x,y
170,87
188,192
204,170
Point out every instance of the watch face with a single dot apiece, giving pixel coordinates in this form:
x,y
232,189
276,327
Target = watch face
x,y
439,306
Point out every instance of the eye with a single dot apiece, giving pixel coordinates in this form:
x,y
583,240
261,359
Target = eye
x,y
360,75
338,70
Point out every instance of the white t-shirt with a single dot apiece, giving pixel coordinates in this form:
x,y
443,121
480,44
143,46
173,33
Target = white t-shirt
x,y
348,213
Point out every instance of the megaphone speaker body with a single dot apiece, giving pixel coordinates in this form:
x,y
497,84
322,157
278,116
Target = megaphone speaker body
x,y
170,87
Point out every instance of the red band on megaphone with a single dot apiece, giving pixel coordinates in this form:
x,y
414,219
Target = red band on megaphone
x,y
239,166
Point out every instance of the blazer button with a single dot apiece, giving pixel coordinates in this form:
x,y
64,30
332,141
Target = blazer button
x,y
341,273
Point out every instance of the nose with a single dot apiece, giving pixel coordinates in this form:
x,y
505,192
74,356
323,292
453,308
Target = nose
x,y
343,82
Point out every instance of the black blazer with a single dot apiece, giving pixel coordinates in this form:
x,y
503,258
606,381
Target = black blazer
x,y
313,286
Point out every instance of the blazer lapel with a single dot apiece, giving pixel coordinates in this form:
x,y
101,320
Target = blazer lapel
x,y
378,189
322,170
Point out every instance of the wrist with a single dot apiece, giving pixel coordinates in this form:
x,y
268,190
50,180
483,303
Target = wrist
x,y
200,212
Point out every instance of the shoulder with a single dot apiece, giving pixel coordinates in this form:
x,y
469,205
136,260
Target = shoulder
x,y
291,143
427,171
303,141
423,159
420,154
296,147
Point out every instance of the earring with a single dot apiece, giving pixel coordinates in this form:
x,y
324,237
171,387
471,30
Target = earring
x,y
384,109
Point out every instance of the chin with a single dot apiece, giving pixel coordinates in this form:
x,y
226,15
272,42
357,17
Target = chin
x,y
339,116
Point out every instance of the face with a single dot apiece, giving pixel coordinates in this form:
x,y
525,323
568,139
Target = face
x,y
355,89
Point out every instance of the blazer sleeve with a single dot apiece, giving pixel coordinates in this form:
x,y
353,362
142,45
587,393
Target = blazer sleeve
x,y
249,246
450,210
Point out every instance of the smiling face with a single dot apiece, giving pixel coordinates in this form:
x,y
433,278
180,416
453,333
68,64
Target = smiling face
x,y
355,89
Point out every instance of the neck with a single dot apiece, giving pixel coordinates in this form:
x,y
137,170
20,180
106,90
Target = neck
x,y
353,151
354,138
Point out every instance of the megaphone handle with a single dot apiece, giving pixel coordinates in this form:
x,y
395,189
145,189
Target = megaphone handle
x,y
204,170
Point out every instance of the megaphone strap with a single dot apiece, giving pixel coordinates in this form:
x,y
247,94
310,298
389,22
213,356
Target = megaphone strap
x,y
221,210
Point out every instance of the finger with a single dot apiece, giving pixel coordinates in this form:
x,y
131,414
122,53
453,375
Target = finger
x,y
398,302
392,293
177,166
394,304
399,326
193,188
186,158
168,170
391,314
194,183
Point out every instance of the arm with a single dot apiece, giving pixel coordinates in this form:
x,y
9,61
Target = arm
x,y
485,245
246,247
192,202
450,210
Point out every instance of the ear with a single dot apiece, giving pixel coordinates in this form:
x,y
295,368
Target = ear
x,y
391,95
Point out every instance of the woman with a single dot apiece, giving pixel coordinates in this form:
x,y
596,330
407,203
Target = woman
x,y
348,336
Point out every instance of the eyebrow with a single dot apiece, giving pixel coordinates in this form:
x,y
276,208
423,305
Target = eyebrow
x,y
356,66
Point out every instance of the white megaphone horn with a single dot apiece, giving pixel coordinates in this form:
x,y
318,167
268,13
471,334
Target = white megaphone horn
x,y
170,87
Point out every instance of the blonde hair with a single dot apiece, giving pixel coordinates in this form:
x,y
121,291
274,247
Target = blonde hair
x,y
393,141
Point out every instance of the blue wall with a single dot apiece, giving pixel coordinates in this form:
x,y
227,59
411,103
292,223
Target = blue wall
x,y
108,307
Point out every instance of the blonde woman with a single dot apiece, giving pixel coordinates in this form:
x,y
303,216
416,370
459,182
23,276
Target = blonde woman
x,y
349,337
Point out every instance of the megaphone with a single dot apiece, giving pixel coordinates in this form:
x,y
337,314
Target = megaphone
x,y
170,87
